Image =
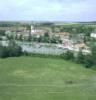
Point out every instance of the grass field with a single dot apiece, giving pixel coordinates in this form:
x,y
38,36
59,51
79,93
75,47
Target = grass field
x,y
34,78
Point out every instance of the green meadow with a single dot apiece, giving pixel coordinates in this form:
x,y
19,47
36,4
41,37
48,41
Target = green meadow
x,y
35,78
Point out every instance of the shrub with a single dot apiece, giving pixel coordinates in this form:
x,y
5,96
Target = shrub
x,y
68,55
89,62
3,52
80,57
13,50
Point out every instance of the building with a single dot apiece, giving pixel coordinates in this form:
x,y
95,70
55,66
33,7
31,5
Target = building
x,y
93,35
37,31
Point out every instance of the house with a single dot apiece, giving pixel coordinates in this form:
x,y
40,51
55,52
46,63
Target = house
x,y
3,37
63,35
37,30
16,31
93,35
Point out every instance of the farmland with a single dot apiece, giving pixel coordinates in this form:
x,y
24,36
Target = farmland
x,y
35,78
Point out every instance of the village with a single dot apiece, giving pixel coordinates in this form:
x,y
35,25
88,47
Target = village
x,y
33,40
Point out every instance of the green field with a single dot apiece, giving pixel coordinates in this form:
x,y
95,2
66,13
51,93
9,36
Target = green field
x,y
34,78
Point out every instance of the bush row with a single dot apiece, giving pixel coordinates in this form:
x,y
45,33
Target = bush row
x,y
41,55
13,50
87,60
10,51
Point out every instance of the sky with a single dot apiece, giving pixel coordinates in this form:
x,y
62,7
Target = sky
x,y
48,10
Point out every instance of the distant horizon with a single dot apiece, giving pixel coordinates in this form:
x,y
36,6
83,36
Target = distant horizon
x,y
43,21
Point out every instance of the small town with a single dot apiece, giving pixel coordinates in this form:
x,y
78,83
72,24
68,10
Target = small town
x,y
39,36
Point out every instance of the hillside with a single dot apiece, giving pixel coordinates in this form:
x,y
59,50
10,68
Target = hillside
x,y
34,78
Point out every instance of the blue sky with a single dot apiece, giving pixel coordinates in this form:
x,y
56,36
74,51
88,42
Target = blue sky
x,y
48,10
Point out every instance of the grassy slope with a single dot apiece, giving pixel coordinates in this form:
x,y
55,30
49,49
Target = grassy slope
x,y
28,78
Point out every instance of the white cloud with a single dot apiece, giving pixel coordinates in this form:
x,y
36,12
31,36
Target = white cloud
x,y
47,10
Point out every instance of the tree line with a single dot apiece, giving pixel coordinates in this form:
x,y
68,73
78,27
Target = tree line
x,y
12,50
46,38
88,60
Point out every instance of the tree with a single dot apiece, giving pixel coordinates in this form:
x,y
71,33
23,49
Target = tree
x,y
46,38
14,49
88,61
93,51
16,37
29,38
55,39
46,34
10,37
58,39
68,55
40,38
21,37
34,38
2,32
3,51
80,57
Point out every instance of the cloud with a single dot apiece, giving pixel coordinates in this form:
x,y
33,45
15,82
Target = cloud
x,y
59,10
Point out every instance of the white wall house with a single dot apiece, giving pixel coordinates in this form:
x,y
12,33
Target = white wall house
x,y
93,35
37,31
